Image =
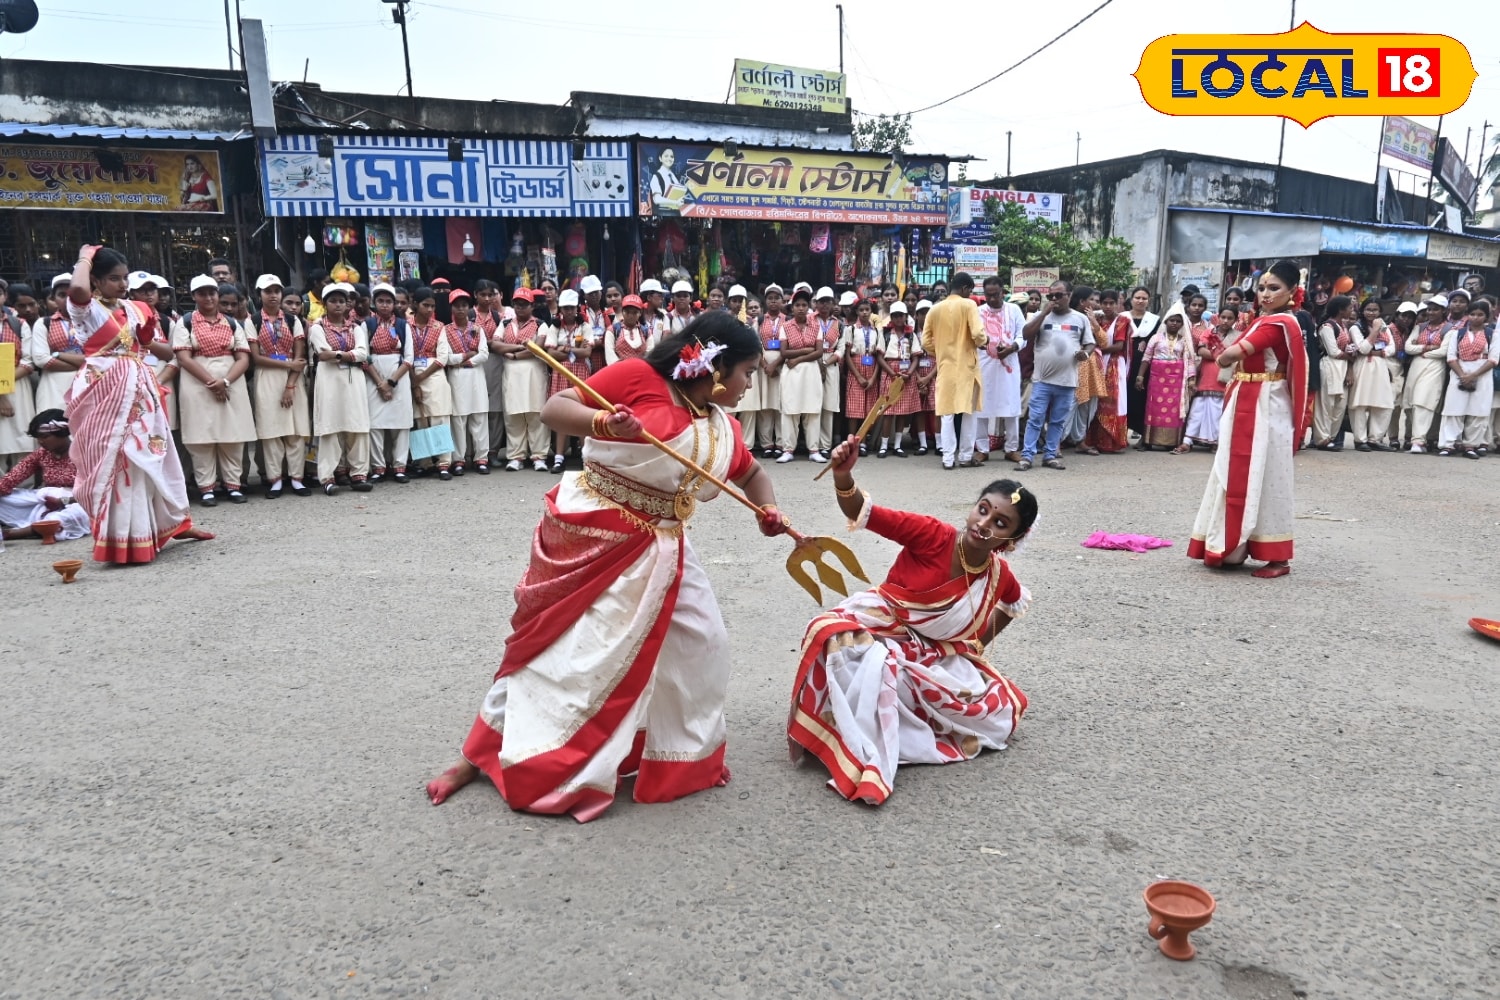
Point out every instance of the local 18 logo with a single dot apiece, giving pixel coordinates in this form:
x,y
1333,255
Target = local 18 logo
x,y
1306,74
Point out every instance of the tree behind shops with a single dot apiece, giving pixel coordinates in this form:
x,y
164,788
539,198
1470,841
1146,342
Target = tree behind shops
x,y
1028,242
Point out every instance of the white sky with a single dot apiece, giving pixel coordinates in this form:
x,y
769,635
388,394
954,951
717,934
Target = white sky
x,y
899,56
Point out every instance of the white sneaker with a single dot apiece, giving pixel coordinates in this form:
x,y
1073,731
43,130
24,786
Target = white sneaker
x,y
539,464
1417,449
786,457
514,465
818,457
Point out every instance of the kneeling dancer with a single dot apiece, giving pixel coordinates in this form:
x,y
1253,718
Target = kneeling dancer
x,y
897,674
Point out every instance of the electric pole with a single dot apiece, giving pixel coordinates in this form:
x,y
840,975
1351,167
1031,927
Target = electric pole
x,y
840,8
398,14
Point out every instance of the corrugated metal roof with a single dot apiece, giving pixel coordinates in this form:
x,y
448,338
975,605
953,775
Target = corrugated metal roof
x,y
1407,226
67,131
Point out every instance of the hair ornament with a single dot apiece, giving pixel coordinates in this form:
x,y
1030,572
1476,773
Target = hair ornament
x,y
53,427
1015,498
696,360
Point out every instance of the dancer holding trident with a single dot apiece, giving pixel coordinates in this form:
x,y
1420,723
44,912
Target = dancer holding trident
x,y
618,660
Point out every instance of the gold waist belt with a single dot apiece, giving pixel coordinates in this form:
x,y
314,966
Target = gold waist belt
x,y
634,496
1260,376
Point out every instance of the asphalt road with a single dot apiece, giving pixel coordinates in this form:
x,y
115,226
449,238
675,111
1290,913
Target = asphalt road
x,y
213,766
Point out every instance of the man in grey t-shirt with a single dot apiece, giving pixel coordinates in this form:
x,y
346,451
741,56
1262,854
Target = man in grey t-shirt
x,y
1061,337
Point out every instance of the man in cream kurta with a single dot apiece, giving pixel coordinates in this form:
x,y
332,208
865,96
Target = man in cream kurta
x,y
341,413
954,336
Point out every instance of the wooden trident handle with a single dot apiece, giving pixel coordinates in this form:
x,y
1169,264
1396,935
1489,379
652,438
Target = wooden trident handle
x,y
650,438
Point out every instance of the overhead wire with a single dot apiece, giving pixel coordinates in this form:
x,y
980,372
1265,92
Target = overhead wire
x,y
1053,41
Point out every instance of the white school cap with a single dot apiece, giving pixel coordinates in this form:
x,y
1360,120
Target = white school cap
x,y
652,285
738,292
898,307
923,304
268,281
590,283
823,293
682,286
66,278
567,297
203,281
139,280
160,282
1408,307
1437,300
848,298
382,287
339,288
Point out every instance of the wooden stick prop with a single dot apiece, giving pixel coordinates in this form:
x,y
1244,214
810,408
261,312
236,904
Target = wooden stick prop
x,y
808,550
887,399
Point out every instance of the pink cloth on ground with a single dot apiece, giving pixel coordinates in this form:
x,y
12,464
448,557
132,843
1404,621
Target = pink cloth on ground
x,y
1129,543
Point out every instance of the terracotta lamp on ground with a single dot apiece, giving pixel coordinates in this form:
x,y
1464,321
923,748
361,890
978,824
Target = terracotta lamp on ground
x,y
48,530
1177,909
67,568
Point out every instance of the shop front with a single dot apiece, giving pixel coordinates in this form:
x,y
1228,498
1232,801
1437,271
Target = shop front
x,y
723,214
399,207
170,206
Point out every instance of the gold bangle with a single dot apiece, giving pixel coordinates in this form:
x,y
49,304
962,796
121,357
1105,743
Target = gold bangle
x,y
853,490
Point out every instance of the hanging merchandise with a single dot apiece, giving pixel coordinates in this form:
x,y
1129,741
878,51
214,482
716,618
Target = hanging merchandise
x,y
343,271
409,265
879,253
716,259
901,271
819,241
578,269
754,262
515,261
577,243
338,233
380,255
845,260
671,244
791,235
702,265
406,233
549,264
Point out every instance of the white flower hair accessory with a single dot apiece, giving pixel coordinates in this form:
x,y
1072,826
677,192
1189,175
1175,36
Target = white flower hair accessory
x,y
696,360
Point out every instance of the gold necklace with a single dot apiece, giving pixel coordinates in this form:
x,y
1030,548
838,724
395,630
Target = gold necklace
x,y
692,406
971,570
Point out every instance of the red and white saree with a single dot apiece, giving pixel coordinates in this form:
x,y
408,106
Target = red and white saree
x,y
130,481
897,674
618,661
1248,506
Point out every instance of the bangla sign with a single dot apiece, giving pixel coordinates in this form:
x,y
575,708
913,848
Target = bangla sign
x,y
144,180
385,175
792,185
771,85
1462,250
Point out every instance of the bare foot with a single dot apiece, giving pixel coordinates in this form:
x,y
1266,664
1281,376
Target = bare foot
x,y
197,535
1271,571
723,779
450,781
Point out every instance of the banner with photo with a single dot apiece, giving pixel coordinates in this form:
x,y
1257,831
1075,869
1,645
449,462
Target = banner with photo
x,y
790,185
80,178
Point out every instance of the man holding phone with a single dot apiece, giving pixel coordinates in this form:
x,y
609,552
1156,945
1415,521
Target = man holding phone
x,y
1062,337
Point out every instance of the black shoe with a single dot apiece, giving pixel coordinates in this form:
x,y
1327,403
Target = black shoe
x,y
302,491
208,500
458,469
376,477
361,486
557,465
1361,447
273,492
922,451
401,477
235,496
444,474
482,468
329,489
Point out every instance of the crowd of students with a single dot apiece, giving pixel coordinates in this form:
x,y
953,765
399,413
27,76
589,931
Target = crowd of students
x,y
369,384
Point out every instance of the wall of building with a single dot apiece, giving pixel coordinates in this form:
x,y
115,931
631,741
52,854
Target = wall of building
x,y
87,94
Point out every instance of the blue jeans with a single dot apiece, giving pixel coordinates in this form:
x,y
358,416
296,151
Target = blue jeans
x,y
1051,406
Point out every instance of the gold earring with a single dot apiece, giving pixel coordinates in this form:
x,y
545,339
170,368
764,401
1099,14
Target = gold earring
x,y
719,388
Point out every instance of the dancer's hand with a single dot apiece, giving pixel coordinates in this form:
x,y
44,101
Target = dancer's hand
x,y
845,455
623,423
773,522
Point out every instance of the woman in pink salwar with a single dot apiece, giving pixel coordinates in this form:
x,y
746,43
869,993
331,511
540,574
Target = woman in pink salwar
x,y
130,481
897,674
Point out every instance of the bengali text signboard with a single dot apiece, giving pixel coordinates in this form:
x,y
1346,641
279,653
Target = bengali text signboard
x,y
1032,279
134,180
1461,250
384,175
1381,243
1408,140
770,85
698,181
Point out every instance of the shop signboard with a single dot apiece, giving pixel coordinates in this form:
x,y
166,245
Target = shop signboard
x,y
1459,250
1374,242
1408,140
966,217
771,85
386,175
1454,174
80,179
790,185
980,261
1032,279
1036,204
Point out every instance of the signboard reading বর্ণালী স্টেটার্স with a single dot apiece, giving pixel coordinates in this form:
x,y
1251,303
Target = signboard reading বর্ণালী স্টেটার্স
x,y
790,185
1305,74
771,85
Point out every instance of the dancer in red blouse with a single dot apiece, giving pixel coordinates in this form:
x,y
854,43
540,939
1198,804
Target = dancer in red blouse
x,y
897,674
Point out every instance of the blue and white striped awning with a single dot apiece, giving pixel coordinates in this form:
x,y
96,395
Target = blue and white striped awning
x,y
411,175
61,130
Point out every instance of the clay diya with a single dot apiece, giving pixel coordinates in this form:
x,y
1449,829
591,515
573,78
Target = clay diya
x,y
1485,627
68,568
48,530
1177,909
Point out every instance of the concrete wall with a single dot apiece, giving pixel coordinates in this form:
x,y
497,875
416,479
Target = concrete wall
x,y
87,94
